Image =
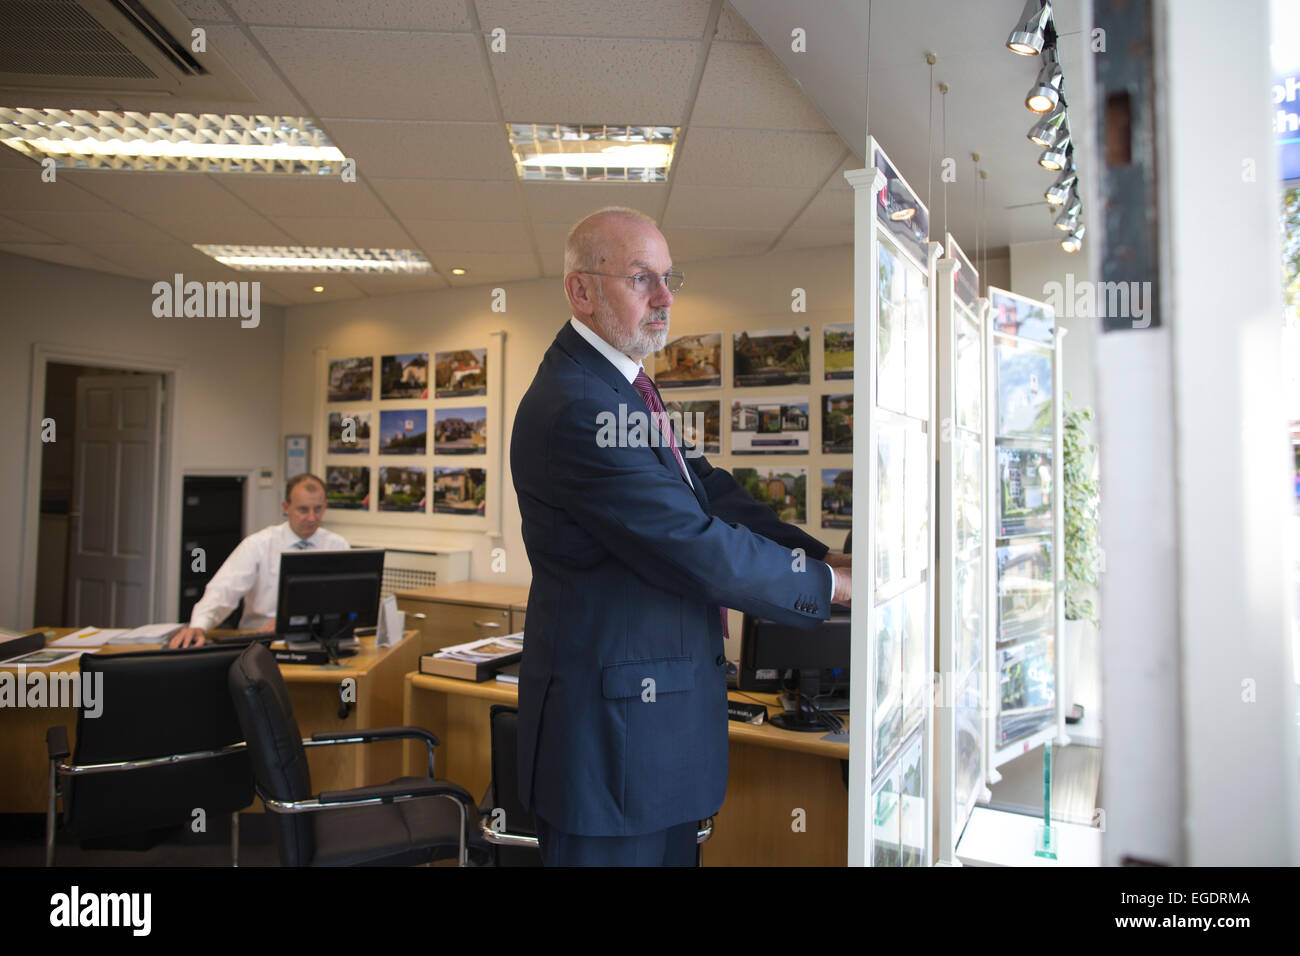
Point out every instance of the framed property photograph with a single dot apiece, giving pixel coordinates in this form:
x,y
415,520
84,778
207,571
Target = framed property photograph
x,y
916,504
459,491
837,497
968,383
885,826
784,490
1024,389
403,431
913,819
405,375
771,357
349,433
460,431
690,361
1026,598
916,343
837,350
460,372
1026,688
1024,491
890,530
967,503
402,489
769,426
347,488
1015,315
837,424
887,705
968,719
891,331
968,613
916,676
351,379
698,423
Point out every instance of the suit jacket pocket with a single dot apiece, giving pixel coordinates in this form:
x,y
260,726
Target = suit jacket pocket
x,y
627,678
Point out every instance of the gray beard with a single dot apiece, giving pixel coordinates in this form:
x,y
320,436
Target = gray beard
x,y
636,345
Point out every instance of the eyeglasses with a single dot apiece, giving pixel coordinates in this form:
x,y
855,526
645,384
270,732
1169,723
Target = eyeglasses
x,y
644,282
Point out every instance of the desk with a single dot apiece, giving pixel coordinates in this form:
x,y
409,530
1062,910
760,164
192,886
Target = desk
x,y
463,611
313,691
771,773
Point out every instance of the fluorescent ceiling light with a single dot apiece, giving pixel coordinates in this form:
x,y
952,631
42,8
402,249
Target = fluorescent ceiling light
x,y
592,153
317,259
171,142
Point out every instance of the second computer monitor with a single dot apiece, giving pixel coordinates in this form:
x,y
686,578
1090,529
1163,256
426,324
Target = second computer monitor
x,y
327,594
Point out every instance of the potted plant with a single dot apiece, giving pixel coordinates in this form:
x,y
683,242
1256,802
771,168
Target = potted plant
x,y
1082,553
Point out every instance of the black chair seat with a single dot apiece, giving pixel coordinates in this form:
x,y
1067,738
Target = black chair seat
x,y
392,834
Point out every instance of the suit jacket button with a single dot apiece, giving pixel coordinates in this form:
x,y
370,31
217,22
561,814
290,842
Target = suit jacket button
x,y
719,660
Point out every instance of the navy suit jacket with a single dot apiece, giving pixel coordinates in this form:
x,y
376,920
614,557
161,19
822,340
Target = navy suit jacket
x,y
622,690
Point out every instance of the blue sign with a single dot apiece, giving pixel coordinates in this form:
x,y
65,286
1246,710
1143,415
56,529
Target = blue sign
x,y
1286,126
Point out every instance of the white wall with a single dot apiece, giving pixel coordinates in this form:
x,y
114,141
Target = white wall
x,y
720,295
1033,266
228,397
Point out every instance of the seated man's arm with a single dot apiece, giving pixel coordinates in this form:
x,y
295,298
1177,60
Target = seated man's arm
x,y
639,509
233,580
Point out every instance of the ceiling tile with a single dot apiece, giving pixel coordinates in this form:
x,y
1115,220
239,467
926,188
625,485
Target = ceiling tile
x,y
346,233
192,194
297,287
397,285
391,150
460,236
23,189
550,244
732,27
580,80
568,202
246,61
410,76
247,230
733,206
690,244
64,255
816,238
10,158
303,195
745,86
485,267
159,261
201,11
663,19
450,199
832,207
14,231
109,226
442,15
715,156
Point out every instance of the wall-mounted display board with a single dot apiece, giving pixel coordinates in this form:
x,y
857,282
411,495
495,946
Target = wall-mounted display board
x,y
1025,518
963,557
890,785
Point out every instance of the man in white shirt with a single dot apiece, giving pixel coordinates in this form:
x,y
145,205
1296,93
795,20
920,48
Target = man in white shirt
x,y
252,571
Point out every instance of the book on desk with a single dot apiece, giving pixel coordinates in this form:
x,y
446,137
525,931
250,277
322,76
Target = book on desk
x,y
476,660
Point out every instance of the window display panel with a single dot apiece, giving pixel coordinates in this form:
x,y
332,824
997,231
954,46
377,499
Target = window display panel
x,y
968,609
890,528
1024,389
1026,686
915,674
913,820
1024,491
885,820
916,505
891,330
967,503
968,386
887,711
1026,598
970,745
916,346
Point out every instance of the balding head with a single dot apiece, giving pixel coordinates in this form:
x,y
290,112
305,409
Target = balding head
x,y
588,243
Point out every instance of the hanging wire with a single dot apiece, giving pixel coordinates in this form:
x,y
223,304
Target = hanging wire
x,y
867,115
943,90
929,138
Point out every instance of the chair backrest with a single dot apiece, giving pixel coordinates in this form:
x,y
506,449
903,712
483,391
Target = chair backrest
x,y
505,777
275,746
155,704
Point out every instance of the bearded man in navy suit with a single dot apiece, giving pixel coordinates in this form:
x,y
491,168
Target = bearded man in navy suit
x,y
636,545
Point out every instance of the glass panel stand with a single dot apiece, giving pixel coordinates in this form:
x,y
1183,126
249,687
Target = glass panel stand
x,y
1045,835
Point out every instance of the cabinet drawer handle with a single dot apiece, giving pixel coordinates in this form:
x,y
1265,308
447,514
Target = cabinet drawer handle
x,y
418,615
486,624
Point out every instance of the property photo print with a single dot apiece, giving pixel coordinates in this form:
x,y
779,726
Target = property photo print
x,y
690,361
459,491
462,372
784,490
351,379
1025,486
700,421
771,357
837,497
347,488
769,426
887,710
404,376
1027,684
403,431
837,350
349,433
837,424
460,431
1024,390
1025,597
401,489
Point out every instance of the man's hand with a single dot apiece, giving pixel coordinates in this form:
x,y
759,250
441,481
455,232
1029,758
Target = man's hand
x,y
188,637
839,560
843,586
268,627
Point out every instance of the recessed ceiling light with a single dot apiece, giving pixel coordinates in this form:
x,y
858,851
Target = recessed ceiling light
x,y
318,288
592,153
458,271
317,259
171,142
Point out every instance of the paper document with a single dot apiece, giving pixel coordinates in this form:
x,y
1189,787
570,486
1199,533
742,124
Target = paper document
x,y
44,658
148,634
88,637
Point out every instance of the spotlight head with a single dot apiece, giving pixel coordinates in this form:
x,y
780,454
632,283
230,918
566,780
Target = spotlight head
x,y
1044,132
1026,37
1074,241
1045,94
1059,191
1058,154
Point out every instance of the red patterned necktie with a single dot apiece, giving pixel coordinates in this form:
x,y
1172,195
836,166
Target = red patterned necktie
x,y
651,397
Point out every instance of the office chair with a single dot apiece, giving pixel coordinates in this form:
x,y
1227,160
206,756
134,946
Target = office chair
x,y
136,767
505,824
408,820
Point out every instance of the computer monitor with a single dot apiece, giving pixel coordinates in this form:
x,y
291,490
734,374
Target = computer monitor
x,y
766,646
325,595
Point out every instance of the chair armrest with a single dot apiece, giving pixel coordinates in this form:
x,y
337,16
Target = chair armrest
x,y
375,733
406,789
56,742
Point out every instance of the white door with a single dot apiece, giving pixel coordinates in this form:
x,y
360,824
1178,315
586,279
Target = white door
x,y
114,501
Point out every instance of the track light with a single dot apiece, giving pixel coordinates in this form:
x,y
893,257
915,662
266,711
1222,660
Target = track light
x,y
1027,36
1045,131
1057,155
1059,191
1069,217
1046,91
1074,241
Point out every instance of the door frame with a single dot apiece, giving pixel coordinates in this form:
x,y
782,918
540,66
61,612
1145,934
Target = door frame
x,y
166,572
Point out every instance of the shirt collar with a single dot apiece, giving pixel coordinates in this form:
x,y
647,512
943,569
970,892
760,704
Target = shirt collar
x,y
288,539
626,366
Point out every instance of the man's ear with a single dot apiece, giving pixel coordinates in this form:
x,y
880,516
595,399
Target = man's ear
x,y
579,294
284,508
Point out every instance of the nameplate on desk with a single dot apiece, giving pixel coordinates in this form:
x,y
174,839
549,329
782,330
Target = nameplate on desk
x,y
746,713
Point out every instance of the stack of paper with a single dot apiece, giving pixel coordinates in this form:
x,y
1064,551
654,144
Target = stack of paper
x,y
148,634
87,637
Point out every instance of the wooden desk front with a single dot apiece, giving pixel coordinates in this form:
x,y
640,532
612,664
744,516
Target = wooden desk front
x,y
772,773
313,692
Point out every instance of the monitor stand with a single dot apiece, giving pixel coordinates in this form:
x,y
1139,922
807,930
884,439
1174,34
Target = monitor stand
x,y
799,719
340,641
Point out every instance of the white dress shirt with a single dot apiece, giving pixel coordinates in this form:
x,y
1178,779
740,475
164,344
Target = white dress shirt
x,y
252,572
